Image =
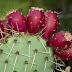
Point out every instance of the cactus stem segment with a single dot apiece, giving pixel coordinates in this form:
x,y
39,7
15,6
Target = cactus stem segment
x,y
25,53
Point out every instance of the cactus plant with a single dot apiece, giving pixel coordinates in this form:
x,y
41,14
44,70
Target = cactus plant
x,y
25,53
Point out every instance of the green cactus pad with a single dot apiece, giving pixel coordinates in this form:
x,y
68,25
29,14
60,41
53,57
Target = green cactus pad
x,y
26,53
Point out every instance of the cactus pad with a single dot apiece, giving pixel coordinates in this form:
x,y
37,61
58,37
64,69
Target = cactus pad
x,y
27,53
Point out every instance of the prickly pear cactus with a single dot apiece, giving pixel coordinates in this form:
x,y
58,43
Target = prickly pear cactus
x,y
24,42
25,53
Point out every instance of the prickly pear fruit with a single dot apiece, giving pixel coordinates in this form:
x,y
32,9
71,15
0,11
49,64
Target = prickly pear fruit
x,y
26,53
5,26
64,54
60,40
51,24
1,30
17,21
35,20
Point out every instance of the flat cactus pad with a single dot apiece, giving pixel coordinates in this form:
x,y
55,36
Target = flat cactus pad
x,y
27,53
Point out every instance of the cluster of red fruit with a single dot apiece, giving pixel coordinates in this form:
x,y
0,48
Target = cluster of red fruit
x,y
39,22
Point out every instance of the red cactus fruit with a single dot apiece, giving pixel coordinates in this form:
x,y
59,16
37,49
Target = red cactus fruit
x,y
1,30
17,21
60,40
35,20
5,25
64,54
51,24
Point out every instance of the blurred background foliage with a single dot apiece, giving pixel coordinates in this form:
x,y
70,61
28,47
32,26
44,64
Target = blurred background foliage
x,y
63,7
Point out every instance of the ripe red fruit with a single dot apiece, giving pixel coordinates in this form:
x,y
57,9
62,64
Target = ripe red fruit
x,y
51,24
64,54
5,26
1,30
17,21
60,40
35,20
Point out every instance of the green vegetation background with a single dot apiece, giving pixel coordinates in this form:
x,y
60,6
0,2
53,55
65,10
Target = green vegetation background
x,y
63,7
